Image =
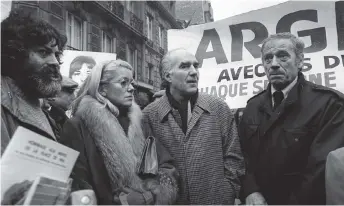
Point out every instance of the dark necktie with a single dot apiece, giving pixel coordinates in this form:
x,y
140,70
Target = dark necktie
x,y
278,98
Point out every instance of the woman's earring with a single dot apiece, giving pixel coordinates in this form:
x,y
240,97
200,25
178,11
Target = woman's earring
x,y
103,94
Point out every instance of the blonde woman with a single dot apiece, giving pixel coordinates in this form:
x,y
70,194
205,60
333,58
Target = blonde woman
x,y
106,129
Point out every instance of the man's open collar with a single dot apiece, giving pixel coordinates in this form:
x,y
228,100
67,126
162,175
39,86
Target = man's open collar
x,y
164,107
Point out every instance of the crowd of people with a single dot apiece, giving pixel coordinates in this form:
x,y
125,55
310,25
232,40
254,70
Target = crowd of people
x,y
287,149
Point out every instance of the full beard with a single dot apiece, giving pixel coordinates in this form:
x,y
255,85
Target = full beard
x,y
45,88
43,84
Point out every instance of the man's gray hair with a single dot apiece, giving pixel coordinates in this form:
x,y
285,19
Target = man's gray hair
x,y
165,67
298,43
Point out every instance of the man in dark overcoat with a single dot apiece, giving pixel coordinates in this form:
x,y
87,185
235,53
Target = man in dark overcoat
x,y
288,130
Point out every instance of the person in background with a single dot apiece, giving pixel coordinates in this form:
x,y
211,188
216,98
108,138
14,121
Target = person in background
x,y
238,114
106,129
158,94
60,104
80,68
288,130
335,178
199,131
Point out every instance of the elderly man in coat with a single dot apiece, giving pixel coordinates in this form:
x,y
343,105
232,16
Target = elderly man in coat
x,y
200,133
288,130
335,177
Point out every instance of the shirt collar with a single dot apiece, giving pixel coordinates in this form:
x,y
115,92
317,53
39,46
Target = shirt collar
x,y
164,106
175,104
285,90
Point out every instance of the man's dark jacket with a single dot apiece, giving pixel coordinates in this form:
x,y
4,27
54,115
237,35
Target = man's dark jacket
x,y
14,114
57,118
286,149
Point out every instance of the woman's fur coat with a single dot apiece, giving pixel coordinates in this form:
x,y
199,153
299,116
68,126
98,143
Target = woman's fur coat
x,y
121,153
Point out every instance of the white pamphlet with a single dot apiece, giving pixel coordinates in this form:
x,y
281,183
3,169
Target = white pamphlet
x,y
29,155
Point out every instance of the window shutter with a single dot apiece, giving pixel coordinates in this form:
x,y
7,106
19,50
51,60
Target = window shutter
x,y
94,38
121,47
139,59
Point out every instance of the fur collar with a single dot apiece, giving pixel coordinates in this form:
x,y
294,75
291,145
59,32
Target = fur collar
x,y
120,152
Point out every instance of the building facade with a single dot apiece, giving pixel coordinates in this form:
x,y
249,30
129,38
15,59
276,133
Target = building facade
x,y
198,12
135,30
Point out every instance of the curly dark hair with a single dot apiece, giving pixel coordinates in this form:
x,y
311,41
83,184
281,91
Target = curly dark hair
x,y
21,32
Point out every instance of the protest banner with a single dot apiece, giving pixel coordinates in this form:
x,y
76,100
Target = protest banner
x,y
229,50
6,7
78,64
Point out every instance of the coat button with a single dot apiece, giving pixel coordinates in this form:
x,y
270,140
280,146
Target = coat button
x,y
85,200
296,139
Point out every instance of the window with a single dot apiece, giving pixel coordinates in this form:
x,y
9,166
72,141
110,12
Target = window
x,y
110,5
56,9
149,22
134,7
150,72
132,58
74,31
57,22
108,43
26,2
171,5
161,36
130,6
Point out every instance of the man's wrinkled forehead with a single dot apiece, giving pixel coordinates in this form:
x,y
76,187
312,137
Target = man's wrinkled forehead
x,y
181,56
278,44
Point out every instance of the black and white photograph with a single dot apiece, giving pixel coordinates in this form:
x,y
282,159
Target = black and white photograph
x,y
175,102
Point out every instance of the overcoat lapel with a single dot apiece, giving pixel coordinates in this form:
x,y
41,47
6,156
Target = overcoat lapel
x,y
278,113
196,114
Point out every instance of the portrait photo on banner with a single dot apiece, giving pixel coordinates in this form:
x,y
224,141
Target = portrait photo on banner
x,y
78,64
